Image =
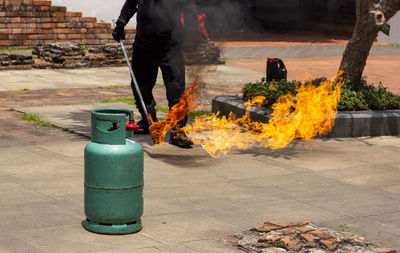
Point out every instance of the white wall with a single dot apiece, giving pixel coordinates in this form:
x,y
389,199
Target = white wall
x,y
394,37
103,10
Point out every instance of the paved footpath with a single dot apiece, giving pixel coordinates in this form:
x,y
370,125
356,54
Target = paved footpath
x,y
192,202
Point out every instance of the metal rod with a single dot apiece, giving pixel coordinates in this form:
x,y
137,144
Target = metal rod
x,y
134,81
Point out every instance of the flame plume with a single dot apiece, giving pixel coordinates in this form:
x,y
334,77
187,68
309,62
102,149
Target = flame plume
x,y
178,112
311,112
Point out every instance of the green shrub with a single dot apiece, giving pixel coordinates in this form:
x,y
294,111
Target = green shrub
x,y
360,97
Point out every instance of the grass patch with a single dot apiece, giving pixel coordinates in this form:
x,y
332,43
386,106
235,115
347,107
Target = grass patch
x,y
114,87
15,50
361,97
191,115
36,120
389,45
125,100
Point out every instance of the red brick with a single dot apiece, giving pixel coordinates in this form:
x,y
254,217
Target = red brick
x,y
5,31
58,14
61,30
102,25
2,25
302,223
279,223
41,3
93,42
265,228
27,2
16,20
2,14
18,36
31,31
290,243
5,43
46,25
58,8
45,20
103,36
309,237
16,25
322,235
44,8
303,229
16,30
330,244
89,19
61,25
286,231
4,36
31,26
261,245
232,240
75,36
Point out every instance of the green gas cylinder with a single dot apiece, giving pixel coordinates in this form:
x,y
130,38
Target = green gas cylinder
x,y
113,175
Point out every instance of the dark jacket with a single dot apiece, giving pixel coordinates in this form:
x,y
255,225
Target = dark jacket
x,y
159,21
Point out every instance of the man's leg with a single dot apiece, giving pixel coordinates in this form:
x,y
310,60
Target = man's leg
x,y
145,71
173,71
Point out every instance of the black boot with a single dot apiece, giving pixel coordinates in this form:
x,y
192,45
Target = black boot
x,y
144,126
179,138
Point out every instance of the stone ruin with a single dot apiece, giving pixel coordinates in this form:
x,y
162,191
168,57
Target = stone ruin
x,y
74,55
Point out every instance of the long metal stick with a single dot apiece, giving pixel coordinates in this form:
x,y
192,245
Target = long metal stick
x,y
134,80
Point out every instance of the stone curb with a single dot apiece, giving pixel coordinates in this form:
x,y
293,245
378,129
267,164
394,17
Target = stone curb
x,y
347,124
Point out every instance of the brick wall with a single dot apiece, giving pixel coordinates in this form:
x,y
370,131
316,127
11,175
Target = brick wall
x,y
30,22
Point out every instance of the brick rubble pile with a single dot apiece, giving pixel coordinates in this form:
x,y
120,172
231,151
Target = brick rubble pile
x,y
74,55
15,61
302,237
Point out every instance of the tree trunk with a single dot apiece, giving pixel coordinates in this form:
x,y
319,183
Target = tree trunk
x,y
371,15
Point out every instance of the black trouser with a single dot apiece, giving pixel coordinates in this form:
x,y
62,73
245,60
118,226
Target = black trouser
x,y
145,63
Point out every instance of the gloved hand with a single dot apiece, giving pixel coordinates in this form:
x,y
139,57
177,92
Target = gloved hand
x,y
119,33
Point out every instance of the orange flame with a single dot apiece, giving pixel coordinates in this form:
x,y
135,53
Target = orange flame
x,y
178,112
311,112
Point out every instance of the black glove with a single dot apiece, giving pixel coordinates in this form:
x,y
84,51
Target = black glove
x,y
119,33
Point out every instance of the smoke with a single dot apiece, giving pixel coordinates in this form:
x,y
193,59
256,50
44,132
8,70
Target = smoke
x,y
227,16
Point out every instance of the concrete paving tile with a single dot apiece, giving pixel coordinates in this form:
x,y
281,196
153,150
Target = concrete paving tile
x,y
141,250
58,189
369,176
15,194
12,244
213,245
19,155
74,205
389,223
238,167
74,238
157,202
4,178
17,218
55,169
176,248
70,149
256,213
356,204
183,227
